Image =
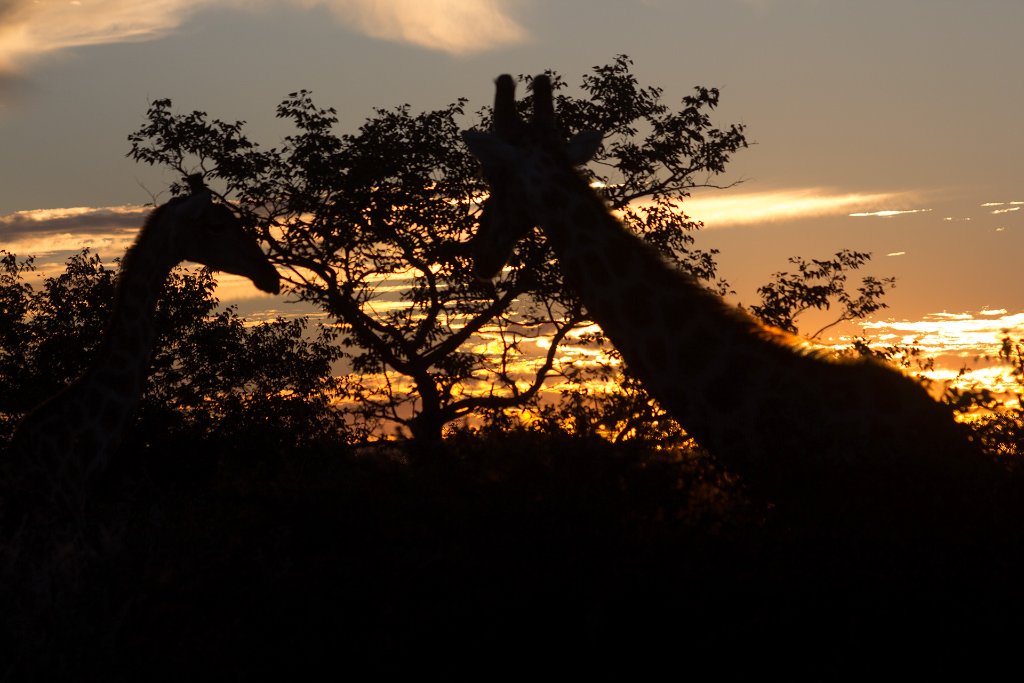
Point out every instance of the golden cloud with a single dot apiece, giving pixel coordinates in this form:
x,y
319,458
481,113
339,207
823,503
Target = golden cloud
x,y
965,346
966,334
31,28
727,209
453,26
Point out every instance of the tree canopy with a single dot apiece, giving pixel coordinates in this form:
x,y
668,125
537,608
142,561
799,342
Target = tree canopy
x,y
371,228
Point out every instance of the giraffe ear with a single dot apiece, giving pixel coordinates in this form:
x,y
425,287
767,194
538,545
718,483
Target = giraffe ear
x,y
488,148
583,146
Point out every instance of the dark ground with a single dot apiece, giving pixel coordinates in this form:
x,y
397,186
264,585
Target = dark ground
x,y
510,555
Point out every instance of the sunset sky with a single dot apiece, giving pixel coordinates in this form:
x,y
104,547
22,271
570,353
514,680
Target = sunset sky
x,y
895,127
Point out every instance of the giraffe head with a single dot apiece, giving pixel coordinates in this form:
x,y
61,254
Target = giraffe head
x,y
518,158
211,234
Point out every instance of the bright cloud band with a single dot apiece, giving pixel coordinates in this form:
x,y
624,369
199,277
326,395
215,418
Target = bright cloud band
x,y
727,209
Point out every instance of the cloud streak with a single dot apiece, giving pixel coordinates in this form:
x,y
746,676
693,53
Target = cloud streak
x,y
30,29
723,210
886,213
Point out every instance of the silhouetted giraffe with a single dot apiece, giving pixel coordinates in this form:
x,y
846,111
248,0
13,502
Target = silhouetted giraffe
x,y
798,422
71,435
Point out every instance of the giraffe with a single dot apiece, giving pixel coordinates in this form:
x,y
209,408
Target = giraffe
x,y
72,435
796,422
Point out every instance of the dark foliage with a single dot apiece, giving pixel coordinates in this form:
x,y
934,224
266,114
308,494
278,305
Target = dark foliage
x,y
213,375
518,552
820,284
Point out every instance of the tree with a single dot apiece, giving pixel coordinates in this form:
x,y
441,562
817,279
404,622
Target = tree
x,y
371,228
212,373
817,284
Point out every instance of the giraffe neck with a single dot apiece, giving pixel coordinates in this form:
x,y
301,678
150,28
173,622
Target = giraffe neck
x,y
83,423
671,331
748,393
122,361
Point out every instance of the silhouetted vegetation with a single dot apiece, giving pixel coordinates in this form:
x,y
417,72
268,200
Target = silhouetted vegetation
x,y
212,376
371,227
519,550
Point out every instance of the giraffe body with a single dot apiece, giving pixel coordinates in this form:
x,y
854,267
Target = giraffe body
x,y
772,409
72,434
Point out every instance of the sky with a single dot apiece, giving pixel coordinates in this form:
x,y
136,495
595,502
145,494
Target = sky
x,y
893,127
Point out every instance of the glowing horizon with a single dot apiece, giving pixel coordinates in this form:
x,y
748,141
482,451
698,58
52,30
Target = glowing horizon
x,y
953,338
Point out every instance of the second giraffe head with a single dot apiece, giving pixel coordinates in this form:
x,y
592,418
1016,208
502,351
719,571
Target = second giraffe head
x,y
518,160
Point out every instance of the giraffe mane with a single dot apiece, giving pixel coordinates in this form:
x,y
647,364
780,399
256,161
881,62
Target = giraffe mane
x,y
154,217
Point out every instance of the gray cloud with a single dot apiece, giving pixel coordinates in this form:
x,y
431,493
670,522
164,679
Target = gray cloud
x,y
80,221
